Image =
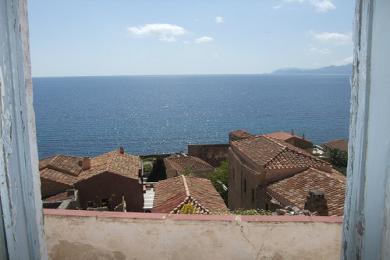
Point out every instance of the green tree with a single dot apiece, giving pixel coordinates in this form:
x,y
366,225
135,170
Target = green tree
x,y
158,171
339,159
219,178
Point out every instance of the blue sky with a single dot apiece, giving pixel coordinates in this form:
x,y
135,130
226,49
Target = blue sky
x,y
86,37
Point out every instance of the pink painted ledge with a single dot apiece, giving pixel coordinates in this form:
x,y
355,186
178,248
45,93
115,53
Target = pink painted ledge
x,y
163,216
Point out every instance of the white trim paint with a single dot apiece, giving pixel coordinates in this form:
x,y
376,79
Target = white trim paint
x,y
367,211
19,176
366,224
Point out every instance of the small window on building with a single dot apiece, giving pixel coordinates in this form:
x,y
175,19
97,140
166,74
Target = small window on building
x,y
253,195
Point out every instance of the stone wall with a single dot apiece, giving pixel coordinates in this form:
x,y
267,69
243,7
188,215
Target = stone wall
x,y
117,235
243,183
214,154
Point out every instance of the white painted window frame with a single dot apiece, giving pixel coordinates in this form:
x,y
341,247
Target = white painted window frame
x,y
367,213
21,205
366,232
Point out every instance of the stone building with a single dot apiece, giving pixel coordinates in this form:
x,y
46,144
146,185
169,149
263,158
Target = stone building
x,y
182,164
267,173
106,180
291,138
197,195
214,154
338,144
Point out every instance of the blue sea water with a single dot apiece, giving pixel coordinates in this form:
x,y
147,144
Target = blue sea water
x,y
162,114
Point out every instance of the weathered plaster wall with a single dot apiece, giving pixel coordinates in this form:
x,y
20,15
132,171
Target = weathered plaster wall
x,y
378,138
367,204
106,235
20,198
214,154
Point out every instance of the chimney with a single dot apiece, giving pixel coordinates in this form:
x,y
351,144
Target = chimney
x,y
292,131
316,202
303,136
85,163
121,150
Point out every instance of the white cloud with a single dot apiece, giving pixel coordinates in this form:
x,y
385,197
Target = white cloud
x,y
333,37
323,5
344,61
294,1
323,51
163,32
319,5
204,39
219,19
277,7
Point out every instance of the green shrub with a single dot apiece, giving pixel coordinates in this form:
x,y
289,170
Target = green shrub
x,y
338,159
220,178
148,168
187,209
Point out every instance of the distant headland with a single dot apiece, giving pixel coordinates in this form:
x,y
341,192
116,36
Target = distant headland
x,y
330,70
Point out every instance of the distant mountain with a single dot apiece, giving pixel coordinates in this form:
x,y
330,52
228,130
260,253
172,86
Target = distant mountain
x,y
330,70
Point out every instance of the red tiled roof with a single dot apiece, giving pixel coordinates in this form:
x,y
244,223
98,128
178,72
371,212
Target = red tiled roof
x,y
240,134
293,191
282,135
171,194
67,170
63,163
59,197
339,144
183,163
58,176
276,154
114,162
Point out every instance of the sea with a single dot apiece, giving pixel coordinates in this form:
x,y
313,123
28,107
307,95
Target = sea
x,y
86,116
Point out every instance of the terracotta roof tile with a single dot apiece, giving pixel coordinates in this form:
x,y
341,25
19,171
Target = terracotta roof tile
x,y
67,170
63,163
59,197
184,163
271,153
114,162
294,190
58,176
239,134
171,194
282,135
